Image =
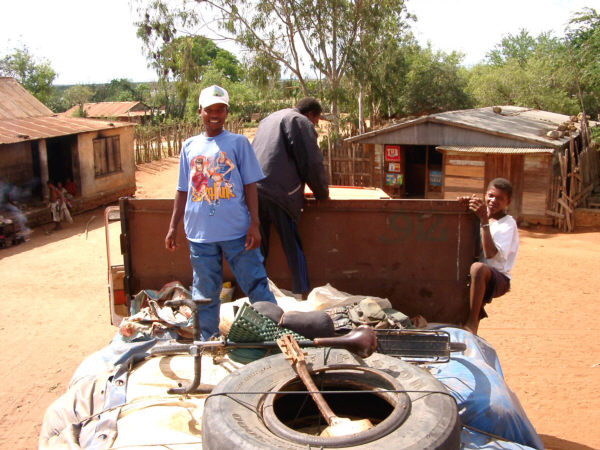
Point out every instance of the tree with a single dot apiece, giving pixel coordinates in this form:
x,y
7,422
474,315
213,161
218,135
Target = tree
x,y
435,82
117,90
77,95
184,60
300,35
377,64
583,43
513,47
262,72
528,72
188,59
34,75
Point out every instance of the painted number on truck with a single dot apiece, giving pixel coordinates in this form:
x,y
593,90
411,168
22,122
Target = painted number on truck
x,y
420,228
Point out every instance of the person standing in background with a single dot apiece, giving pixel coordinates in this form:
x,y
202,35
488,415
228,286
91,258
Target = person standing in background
x,y
289,155
58,206
71,187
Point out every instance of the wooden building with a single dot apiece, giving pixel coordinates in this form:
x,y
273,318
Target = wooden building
x,y
458,152
37,145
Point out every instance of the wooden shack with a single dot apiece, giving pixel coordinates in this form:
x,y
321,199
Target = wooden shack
x,y
37,145
458,152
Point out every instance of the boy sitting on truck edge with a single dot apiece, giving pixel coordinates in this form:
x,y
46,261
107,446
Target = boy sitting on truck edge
x,y
219,219
490,277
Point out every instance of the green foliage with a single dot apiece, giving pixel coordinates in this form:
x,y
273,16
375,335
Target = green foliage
x,y
186,58
118,90
408,80
583,41
183,61
513,48
295,35
378,64
34,75
561,75
354,56
77,95
263,72
595,137
194,62
434,83
528,72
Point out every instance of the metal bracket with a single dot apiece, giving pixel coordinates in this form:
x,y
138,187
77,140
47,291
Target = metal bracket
x,y
193,349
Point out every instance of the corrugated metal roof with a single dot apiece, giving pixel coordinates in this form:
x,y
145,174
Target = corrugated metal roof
x,y
494,150
523,123
17,103
20,130
25,118
110,109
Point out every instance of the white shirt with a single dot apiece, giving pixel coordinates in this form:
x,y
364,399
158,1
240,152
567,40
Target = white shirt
x,y
506,239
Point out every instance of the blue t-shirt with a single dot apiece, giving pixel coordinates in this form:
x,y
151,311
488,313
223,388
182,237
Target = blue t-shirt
x,y
213,171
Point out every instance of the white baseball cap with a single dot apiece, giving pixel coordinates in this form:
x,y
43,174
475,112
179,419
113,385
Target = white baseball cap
x,y
212,95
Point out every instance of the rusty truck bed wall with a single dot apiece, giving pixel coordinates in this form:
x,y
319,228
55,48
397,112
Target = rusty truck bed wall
x,y
416,253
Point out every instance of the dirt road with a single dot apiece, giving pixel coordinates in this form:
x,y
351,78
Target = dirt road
x,y
55,312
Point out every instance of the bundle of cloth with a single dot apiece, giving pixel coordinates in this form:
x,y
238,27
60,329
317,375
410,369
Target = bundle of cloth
x,y
326,312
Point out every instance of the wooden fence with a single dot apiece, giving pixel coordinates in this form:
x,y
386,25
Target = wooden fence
x,y
579,173
350,165
346,164
152,143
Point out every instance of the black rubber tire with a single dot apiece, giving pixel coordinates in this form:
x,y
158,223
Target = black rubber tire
x,y
235,421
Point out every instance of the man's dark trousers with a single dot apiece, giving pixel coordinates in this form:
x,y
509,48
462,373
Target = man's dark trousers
x,y
271,213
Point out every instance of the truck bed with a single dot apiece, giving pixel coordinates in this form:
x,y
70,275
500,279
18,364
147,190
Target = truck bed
x,y
416,253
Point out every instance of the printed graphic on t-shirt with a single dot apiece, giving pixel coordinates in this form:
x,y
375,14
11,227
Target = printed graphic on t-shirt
x,y
211,179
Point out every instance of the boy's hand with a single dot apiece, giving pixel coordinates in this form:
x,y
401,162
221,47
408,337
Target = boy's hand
x,y
463,200
171,240
253,238
477,205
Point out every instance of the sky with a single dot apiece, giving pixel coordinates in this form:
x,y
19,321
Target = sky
x,y
94,41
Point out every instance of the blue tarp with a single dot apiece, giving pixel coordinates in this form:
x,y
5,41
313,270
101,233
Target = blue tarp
x,y
485,402
491,414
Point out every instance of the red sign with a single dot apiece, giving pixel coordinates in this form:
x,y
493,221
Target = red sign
x,y
392,153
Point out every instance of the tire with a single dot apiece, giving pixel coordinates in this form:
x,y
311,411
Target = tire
x,y
234,416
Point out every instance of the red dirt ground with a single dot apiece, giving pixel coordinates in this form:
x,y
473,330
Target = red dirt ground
x,y
55,306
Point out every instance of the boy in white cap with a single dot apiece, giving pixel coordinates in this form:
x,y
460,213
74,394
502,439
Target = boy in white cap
x,y
220,218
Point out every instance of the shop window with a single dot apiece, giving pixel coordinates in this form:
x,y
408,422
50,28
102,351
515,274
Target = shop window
x,y
107,155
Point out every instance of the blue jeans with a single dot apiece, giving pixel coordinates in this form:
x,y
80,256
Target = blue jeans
x,y
207,265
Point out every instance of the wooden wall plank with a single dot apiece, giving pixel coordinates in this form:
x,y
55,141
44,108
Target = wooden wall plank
x,y
473,184
536,183
467,171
